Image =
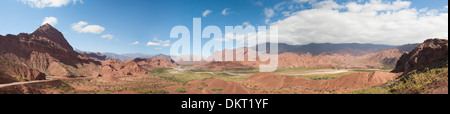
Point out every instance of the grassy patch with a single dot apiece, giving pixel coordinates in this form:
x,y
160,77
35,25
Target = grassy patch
x,y
326,76
418,83
181,90
291,70
374,90
153,91
186,76
217,90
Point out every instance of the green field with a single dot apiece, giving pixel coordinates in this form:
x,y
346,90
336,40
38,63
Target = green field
x,y
186,76
239,75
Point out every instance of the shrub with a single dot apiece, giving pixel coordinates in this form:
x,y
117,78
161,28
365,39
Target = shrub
x,y
153,91
217,90
181,90
418,83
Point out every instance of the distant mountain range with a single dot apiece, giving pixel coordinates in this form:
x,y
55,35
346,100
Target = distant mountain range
x,y
353,49
121,57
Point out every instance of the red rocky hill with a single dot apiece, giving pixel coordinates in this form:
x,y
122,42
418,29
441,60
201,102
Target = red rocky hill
x,y
46,52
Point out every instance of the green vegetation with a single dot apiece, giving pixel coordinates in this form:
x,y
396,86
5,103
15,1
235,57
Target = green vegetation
x,y
153,91
65,88
181,90
186,76
326,76
412,83
159,71
419,83
421,80
374,90
19,78
144,85
204,84
291,70
217,90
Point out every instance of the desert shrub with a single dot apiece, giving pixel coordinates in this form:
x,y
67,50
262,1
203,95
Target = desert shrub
x,y
158,71
153,91
418,83
65,88
181,90
217,90
204,84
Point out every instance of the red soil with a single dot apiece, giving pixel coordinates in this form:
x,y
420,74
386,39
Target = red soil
x,y
209,85
263,83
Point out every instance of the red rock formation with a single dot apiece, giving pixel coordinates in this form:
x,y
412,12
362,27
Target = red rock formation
x,y
423,55
382,59
114,67
10,72
151,63
357,81
291,84
47,32
47,51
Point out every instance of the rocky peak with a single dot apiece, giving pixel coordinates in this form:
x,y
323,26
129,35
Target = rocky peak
x,y
423,55
52,34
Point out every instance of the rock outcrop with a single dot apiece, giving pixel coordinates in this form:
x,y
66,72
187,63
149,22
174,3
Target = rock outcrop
x,y
423,55
10,72
151,63
383,59
46,52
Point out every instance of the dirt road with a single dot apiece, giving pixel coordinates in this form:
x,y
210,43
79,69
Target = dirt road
x,y
21,83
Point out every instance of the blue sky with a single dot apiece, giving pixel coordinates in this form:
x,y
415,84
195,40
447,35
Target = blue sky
x,y
142,21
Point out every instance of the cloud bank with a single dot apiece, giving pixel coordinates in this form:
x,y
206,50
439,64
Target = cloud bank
x,y
375,21
49,3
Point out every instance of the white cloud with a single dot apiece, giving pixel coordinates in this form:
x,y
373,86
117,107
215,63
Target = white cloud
x,y
269,12
135,43
246,24
206,13
165,45
158,48
50,20
225,11
83,27
327,4
153,44
377,21
49,3
161,42
108,36
303,1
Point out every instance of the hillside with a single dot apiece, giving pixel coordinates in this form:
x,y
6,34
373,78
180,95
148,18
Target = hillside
x,y
46,52
425,69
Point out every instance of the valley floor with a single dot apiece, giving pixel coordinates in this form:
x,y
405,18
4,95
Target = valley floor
x,y
185,80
